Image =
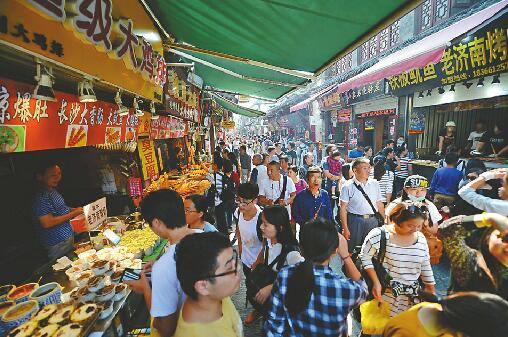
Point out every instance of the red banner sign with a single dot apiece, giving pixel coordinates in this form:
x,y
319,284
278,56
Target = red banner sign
x,y
384,112
168,127
29,124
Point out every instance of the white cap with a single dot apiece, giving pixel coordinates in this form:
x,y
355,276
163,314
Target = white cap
x,y
450,123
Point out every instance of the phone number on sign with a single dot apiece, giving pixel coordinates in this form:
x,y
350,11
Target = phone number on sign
x,y
490,70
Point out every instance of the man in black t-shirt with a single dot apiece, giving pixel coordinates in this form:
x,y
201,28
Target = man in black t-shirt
x,y
292,153
495,142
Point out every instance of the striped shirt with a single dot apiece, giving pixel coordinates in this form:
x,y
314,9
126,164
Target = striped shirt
x,y
385,184
403,264
404,168
51,202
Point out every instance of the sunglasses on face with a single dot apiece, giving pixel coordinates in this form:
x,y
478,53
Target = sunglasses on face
x,y
234,271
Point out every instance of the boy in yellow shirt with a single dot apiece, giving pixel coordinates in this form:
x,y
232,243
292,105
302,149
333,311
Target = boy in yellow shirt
x,y
207,268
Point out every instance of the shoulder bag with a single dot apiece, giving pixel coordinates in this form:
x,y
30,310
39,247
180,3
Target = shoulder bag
x,y
380,219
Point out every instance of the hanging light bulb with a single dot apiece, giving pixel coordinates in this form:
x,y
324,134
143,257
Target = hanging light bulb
x,y
135,105
480,82
452,88
44,89
420,95
152,111
122,110
429,92
85,91
495,79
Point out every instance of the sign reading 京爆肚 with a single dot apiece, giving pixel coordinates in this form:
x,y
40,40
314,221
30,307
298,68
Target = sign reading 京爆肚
x,y
479,55
29,124
95,213
148,159
102,38
384,112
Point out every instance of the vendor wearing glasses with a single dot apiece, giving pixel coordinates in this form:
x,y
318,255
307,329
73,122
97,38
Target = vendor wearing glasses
x,y
312,202
196,213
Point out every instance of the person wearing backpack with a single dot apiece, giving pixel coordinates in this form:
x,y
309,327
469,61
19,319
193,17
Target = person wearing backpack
x,y
278,189
221,194
280,248
309,298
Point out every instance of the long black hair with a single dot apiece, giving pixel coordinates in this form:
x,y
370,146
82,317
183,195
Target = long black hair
x,y
278,216
496,268
318,241
379,167
475,314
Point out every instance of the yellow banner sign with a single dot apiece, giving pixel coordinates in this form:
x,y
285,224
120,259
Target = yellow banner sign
x,y
114,41
148,159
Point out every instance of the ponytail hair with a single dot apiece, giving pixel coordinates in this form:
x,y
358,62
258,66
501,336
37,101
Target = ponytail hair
x,y
318,241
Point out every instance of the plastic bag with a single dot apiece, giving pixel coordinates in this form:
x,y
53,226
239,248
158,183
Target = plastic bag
x,y
375,316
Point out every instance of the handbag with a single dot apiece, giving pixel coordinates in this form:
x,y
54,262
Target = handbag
x,y
377,262
261,276
380,219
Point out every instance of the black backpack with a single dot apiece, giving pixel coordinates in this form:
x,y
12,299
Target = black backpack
x,y
228,193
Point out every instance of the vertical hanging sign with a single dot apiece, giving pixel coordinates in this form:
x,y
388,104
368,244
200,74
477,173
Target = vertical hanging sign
x,y
148,159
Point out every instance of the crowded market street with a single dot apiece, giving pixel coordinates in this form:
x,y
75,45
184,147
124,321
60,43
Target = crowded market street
x,y
252,168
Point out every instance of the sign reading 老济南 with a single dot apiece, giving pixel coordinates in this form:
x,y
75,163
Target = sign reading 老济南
x,y
95,213
102,38
384,112
479,55
364,92
29,124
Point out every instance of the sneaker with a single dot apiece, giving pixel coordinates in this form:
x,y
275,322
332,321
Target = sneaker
x,y
335,197
251,317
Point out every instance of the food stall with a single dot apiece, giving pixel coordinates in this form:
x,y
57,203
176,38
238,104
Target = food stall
x,y
457,89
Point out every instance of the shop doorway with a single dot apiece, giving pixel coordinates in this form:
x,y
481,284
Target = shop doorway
x,y
374,132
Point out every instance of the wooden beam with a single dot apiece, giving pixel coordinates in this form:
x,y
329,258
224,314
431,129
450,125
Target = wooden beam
x,y
296,73
232,73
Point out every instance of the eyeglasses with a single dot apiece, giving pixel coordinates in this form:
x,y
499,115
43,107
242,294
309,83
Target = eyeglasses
x,y
242,202
191,211
234,271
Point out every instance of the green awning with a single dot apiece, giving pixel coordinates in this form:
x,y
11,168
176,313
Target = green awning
x,y
235,108
293,34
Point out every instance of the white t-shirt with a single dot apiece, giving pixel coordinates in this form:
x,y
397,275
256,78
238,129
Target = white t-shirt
x,y
262,176
272,190
167,294
292,257
435,216
474,137
251,246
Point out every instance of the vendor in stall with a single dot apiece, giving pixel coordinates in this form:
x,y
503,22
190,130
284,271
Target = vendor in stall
x,y
495,142
446,138
51,215
475,136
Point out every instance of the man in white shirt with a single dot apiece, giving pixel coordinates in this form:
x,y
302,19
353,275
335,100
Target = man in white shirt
x,y
273,192
246,218
475,136
259,174
356,215
164,211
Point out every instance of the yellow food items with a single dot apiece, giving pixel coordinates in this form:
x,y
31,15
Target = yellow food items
x,y
139,239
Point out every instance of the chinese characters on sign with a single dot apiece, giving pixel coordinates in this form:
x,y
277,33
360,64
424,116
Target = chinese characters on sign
x,y
27,121
95,213
168,127
365,92
330,100
93,22
470,58
344,115
148,159
19,31
384,112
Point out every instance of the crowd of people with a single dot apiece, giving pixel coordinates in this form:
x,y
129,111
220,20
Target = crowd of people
x,y
280,211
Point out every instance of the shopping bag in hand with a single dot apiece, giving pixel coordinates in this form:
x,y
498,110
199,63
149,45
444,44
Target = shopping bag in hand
x,y
375,316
